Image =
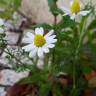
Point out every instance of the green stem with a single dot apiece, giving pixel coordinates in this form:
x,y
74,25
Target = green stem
x,y
76,57
53,54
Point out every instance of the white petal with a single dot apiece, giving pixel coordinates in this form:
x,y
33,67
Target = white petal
x,y
29,47
1,30
27,40
65,14
45,49
40,52
84,13
30,35
50,45
53,36
1,22
32,54
66,10
71,2
73,16
49,33
42,30
50,37
81,5
51,41
39,31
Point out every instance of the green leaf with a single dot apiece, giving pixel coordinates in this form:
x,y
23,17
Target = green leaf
x,y
26,80
9,7
86,68
65,36
44,25
92,25
2,2
65,23
53,7
6,14
17,3
68,68
59,11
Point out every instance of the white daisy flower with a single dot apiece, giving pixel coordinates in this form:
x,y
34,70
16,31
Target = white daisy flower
x,y
75,10
39,43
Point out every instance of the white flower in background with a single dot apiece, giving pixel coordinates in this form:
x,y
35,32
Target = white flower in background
x,y
1,30
1,24
39,42
74,10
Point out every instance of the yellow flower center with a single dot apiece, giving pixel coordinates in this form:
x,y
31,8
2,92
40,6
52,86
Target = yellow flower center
x,y
75,7
39,40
